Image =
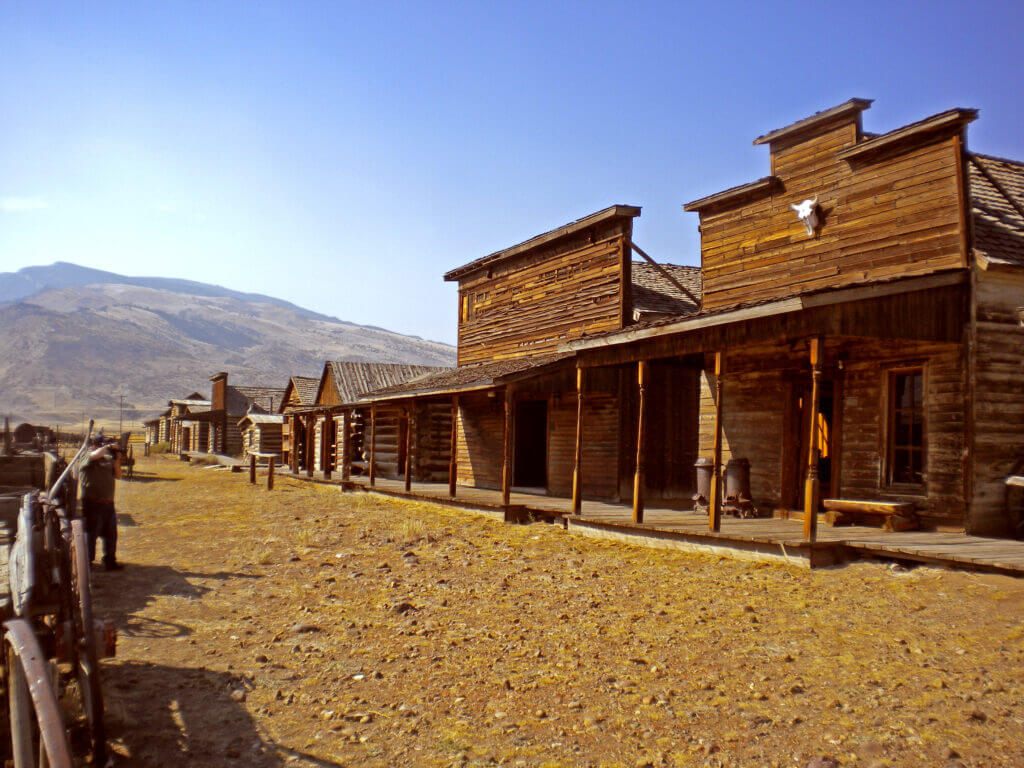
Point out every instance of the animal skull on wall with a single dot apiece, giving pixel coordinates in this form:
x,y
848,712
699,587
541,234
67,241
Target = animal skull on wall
x,y
807,212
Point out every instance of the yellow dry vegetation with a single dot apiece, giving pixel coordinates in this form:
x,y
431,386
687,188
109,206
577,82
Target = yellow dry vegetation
x,y
306,626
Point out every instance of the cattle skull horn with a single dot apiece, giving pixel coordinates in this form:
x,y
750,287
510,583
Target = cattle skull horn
x,y
807,212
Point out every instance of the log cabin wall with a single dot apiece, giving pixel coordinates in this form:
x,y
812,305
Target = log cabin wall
x,y
431,443
998,409
480,439
760,415
387,452
533,302
891,214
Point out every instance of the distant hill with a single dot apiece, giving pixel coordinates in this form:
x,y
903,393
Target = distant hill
x,y
74,338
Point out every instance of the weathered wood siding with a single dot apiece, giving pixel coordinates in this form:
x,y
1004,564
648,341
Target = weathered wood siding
x,y
480,438
758,415
892,216
600,444
431,443
998,427
533,303
387,450
865,423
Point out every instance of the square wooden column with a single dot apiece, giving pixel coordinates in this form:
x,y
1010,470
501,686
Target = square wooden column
x,y
294,446
346,446
577,465
453,458
643,374
812,486
410,427
326,441
373,444
506,461
715,502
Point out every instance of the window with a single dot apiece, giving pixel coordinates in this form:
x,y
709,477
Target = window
x,y
906,427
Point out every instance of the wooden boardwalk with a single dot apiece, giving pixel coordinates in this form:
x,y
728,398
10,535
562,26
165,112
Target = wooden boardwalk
x,y
765,538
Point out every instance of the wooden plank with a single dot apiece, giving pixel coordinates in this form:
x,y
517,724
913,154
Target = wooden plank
x,y
577,467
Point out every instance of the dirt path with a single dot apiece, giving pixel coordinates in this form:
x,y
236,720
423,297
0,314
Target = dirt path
x,y
309,627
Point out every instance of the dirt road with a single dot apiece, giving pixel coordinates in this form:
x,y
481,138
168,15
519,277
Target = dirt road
x,y
309,627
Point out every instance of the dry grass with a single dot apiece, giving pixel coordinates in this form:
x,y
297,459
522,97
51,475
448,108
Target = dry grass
x,y
524,645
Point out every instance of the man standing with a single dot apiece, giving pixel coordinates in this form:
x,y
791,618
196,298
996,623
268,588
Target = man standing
x,y
97,480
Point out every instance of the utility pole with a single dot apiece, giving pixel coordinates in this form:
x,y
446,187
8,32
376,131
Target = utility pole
x,y
120,420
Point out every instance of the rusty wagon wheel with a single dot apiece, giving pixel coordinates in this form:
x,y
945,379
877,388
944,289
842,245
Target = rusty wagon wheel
x,y
86,655
36,726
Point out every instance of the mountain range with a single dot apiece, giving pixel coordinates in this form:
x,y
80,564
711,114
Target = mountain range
x,y
74,339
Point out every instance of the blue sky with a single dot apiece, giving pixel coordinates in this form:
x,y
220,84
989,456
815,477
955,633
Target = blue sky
x,y
343,156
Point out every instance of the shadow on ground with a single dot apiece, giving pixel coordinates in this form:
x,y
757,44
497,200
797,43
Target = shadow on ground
x,y
162,715
149,477
122,594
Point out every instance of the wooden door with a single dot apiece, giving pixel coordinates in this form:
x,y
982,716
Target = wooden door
x,y
530,447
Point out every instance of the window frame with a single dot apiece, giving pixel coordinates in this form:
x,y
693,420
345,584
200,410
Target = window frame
x,y
891,375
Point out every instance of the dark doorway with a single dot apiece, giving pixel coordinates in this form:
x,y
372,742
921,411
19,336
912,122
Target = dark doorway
x,y
530,455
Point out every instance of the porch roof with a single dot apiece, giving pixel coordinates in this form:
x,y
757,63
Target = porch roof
x,y
469,377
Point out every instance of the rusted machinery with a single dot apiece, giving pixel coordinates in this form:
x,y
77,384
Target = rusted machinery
x,y
51,641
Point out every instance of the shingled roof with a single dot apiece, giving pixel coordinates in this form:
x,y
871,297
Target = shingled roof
x,y
997,202
305,387
352,379
466,377
241,399
654,294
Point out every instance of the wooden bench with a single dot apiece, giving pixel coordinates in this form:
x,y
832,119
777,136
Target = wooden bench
x,y
894,515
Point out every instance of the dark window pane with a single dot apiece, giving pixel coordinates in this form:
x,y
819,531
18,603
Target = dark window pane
x,y
917,435
918,387
902,433
904,393
917,466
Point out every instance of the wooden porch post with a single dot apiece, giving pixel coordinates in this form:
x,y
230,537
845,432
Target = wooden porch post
x,y
293,438
453,459
812,486
310,445
252,469
346,446
577,465
326,441
373,444
270,473
410,425
506,462
643,373
715,502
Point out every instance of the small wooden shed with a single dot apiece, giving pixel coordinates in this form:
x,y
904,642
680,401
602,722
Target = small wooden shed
x,y
261,433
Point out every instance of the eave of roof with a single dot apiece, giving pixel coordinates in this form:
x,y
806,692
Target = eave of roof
x,y
759,188
948,119
851,107
614,211
741,313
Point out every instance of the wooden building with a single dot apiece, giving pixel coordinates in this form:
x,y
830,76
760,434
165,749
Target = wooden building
x,y
298,395
512,398
228,404
868,359
186,428
331,429
853,336
261,433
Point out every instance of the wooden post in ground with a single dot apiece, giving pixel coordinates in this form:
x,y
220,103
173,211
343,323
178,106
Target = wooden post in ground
x,y
326,441
293,447
453,459
373,444
506,459
346,446
252,469
410,426
310,445
715,502
812,486
643,374
270,473
577,464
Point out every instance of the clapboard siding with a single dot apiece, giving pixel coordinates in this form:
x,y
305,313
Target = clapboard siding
x,y
533,303
600,444
892,216
431,445
998,396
